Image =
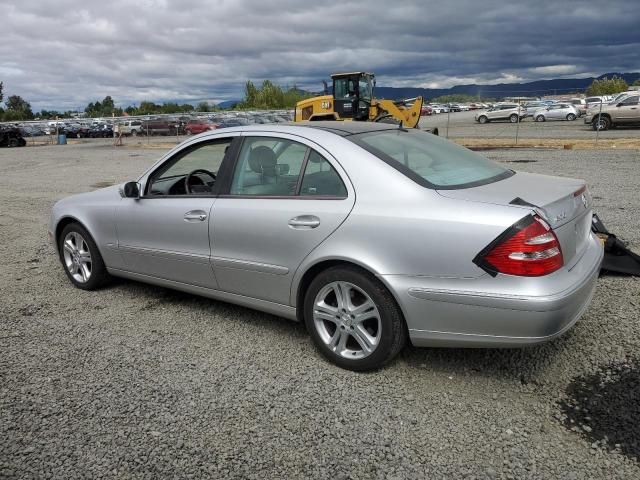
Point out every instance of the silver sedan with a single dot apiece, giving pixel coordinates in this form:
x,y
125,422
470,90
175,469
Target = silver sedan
x,y
370,234
559,111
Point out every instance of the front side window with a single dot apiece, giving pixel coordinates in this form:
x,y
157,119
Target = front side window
x,y
429,160
191,172
631,101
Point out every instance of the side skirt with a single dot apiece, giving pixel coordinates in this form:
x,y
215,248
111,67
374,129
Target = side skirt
x,y
277,309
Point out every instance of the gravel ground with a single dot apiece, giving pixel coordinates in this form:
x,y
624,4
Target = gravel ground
x,y
135,381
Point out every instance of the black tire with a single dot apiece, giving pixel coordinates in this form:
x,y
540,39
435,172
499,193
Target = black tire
x,y
393,328
540,118
99,275
600,122
483,119
134,133
571,117
13,142
513,118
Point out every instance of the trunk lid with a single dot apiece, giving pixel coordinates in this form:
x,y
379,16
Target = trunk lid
x,y
564,203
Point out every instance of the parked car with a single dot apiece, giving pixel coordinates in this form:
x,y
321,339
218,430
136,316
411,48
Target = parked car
x,y
426,110
233,122
199,125
503,111
624,112
131,128
101,131
301,221
160,127
11,137
533,106
580,104
559,111
31,131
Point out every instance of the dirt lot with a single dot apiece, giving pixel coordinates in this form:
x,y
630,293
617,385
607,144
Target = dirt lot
x,y
135,381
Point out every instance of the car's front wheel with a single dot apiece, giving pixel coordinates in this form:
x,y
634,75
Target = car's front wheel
x,y
601,123
540,118
353,319
482,119
513,118
571,117
81,258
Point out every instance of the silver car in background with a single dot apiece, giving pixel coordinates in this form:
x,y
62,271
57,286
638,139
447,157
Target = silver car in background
x,y
370,234
511,112
558,111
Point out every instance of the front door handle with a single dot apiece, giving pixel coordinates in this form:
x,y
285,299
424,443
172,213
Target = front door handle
x,y
195,216
304,222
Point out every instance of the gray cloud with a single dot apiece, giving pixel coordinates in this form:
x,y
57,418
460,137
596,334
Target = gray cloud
x,y
66,54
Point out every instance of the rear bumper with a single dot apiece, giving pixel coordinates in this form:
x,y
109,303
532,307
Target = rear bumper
x,y
504,311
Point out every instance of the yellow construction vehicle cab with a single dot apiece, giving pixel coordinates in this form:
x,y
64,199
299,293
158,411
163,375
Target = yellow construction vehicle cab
x,y
353,99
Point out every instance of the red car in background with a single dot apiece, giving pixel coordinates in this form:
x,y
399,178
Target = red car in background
x,y
426,110
195,126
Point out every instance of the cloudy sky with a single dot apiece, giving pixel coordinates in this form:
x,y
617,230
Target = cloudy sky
x,y
64,54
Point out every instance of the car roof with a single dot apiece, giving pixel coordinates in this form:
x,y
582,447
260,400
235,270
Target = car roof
x,y
347,128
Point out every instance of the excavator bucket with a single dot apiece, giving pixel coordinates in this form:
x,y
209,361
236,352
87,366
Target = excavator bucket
x,y
617,256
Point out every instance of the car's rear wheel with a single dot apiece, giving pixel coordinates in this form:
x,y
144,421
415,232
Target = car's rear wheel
x,y
13,142
353,319
81,258
482,119
571,117
513,118
134,133
540,118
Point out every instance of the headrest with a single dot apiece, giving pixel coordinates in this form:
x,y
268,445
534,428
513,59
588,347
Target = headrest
x,y
262,160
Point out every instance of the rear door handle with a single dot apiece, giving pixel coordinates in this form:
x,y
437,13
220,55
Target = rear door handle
x,y
304,222
195,216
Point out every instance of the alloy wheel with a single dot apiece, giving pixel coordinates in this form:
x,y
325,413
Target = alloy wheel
x,y
347,320
77,257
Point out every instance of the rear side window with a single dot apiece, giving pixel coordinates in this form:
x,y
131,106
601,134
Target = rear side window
x,y
429,160
321,179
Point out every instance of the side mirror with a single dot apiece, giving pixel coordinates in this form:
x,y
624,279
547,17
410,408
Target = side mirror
x,y
130,190
620,104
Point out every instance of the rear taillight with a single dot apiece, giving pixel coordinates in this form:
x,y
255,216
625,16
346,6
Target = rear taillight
x,y
529,248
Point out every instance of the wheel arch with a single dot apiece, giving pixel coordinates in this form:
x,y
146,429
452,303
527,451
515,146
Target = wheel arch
x,y
67,220
312,271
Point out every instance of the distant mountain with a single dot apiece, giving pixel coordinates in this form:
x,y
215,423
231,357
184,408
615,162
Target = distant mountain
x,y
228,103
530,89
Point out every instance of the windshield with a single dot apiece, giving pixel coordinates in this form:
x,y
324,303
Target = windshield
x,y
429,160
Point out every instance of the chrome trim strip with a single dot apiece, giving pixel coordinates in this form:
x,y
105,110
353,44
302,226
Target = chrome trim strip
x,y
187,257
277,309
222,262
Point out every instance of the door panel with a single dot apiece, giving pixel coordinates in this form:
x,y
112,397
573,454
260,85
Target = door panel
x,y
258,243
167,238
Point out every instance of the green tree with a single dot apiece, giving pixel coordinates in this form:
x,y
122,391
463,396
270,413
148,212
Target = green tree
x,y
607,86
17,109
635,84
270,96
204,107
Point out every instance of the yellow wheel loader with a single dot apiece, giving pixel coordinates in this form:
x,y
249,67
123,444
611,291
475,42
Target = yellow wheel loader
x,y
353,99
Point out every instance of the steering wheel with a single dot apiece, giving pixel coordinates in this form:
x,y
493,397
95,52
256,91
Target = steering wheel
x,y
187,179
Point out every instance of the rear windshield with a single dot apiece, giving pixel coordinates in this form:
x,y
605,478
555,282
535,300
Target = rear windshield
x,y
429,160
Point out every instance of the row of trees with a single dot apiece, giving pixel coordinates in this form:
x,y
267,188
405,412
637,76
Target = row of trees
x,y
461,98
608,86
270,96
